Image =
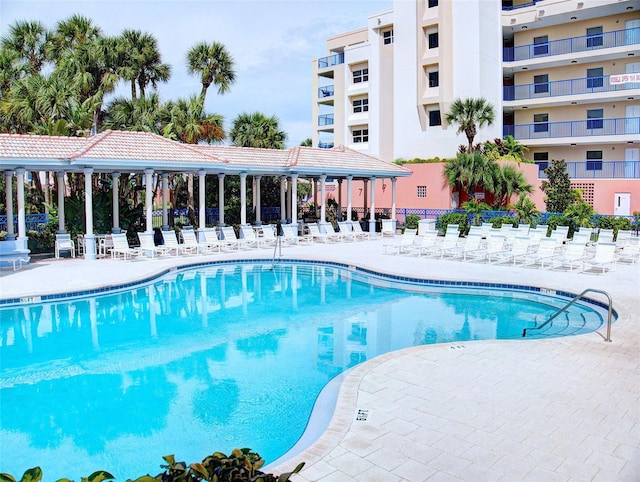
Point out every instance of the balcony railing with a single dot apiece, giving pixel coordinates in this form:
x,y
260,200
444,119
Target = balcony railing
x,y
326,91
521,5
330,61
325,145
325,120
617,38
584,128
594,169
587,85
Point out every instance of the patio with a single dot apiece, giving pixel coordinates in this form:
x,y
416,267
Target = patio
x,y
559,409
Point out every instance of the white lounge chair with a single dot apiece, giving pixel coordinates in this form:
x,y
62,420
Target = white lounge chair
x,y
630,252
519,247
574,255
346,231
359,233
605,255
121,248
332,233
316,234
201,247
64,243
449,241
248,237
149,247
605,235
268,236
495,245
471,243
425,242
290,235
387,228
171,241
404,244
229,239
211,241
544,254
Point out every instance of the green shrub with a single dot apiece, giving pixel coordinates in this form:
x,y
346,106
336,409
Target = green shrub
x,y
460,219
612,222
497,222
411,221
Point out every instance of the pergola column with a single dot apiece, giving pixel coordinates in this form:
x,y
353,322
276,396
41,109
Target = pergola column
x,y
294,202
22,222
61,189
323,201
243,198
8,185
349,197
365,192
221,199
372,217
283,198
202,214
115,191
165,203
393,202
148,199
258,202
89,237
340,199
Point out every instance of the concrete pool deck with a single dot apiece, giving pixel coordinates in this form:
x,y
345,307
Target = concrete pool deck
x,y
565,409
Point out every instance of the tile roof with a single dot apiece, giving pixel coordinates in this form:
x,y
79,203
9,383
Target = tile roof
x,y
121,149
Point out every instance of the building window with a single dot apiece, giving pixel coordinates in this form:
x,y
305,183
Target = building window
x,y
540,84
595,119
432,3
434,79
541,123
541,45
387,37
434,118
595,78
360,75
360,135
594,160
433,40
594,37
422,191
542,160
360,105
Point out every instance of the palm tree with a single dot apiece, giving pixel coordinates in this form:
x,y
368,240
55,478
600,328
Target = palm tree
x,y
467,171
213,63
145,114
474,209
27,41
526,211
509,181
140,62
257,130
308,142
470,114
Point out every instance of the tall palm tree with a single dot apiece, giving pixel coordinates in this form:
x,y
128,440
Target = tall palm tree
x,y
145,114
470,115
215,66
27,40
508,182
257,130
140,61
467,171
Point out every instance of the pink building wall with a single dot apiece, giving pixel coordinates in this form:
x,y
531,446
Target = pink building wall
x,y
439,194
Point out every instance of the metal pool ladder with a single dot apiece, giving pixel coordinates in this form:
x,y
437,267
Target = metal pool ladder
x,y
576,298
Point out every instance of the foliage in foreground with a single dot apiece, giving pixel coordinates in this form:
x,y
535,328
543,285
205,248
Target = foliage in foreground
x,y
242,465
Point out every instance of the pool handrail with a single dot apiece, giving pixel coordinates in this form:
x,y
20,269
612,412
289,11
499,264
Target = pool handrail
x,y
576,298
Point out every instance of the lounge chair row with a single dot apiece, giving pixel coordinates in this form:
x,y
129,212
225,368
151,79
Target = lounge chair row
x,y
544,252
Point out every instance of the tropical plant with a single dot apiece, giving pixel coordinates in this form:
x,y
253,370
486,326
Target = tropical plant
x,y
214,64
25,44
506,149
509,181
470,115
557,187
474,209
411,221
580,214
461,219
526,211
467,171
308,142
257,130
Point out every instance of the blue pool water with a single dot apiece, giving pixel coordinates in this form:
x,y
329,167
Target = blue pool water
x,y
222,356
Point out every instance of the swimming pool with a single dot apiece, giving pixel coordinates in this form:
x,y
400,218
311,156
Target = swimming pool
x,y
107,382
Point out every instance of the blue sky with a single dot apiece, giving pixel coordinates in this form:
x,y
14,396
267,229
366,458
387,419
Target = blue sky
x,y
273,43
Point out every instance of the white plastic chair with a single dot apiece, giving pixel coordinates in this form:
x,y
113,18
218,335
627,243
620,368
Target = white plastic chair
x,y
64,243
605,255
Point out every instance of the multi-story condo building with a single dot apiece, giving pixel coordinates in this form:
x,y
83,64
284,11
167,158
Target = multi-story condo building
x,y
562,75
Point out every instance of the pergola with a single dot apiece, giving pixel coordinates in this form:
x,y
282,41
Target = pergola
x,y
117,152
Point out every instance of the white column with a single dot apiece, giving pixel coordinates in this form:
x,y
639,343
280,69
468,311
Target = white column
x,y
283,198
61,189
393,202
258,202
349,200
323,200
148,199
294,202
89,237
22,221
8,185
115,186
202,215
315,194
340,199
221,198
372,218
165,201
243,198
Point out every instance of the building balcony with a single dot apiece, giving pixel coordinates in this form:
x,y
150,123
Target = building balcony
x,y
588,85
330,61
325,120
587,43
629,126
325,145
325,91
507,6
594,169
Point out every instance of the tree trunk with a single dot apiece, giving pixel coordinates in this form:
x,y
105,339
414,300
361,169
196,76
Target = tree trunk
x,y
190,202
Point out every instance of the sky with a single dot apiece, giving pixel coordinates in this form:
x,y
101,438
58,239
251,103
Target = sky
x,y
273,43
